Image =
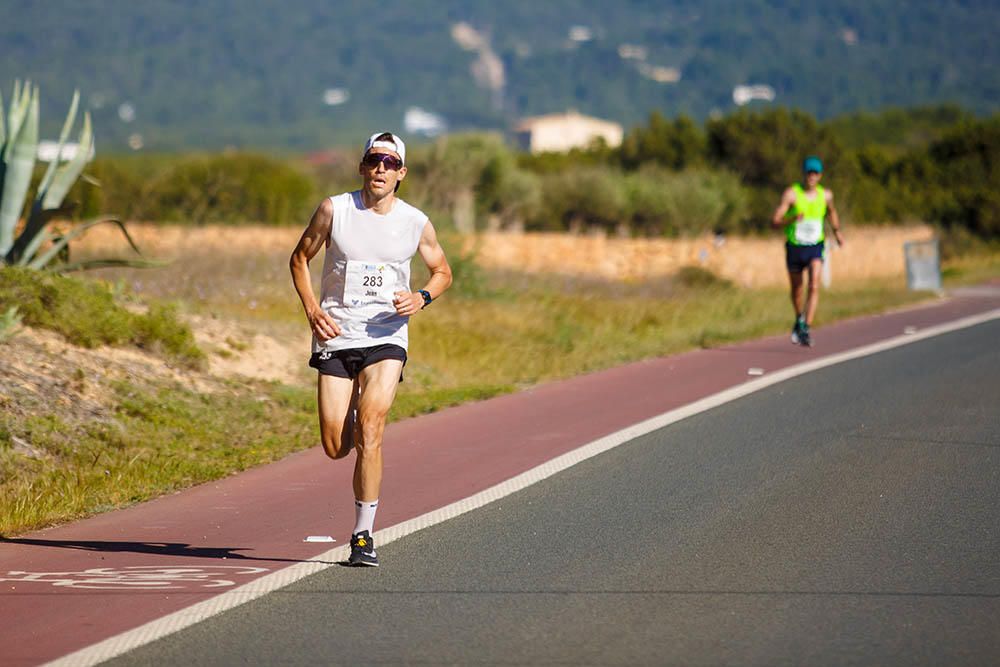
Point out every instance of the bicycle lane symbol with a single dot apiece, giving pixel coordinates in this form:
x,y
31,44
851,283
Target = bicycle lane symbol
x,y
139,577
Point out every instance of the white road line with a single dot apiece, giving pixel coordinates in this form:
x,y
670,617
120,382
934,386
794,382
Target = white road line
x,y
144,634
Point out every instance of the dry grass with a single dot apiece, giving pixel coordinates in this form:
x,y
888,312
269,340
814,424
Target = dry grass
x,y
556,315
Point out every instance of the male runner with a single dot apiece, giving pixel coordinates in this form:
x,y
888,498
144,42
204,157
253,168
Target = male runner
x,y
360,325
802,211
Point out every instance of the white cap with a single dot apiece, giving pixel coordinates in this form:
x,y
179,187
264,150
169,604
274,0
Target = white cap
x,y
395,145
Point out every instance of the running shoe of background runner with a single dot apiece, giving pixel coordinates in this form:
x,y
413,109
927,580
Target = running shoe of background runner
x,y
804,338
796,330
363,550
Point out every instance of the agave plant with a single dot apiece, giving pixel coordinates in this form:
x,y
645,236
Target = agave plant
x,y
36,246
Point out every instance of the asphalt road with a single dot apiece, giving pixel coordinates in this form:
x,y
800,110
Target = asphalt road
x,y
849,516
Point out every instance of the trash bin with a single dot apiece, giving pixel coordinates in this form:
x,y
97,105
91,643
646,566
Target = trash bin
x,y
923,265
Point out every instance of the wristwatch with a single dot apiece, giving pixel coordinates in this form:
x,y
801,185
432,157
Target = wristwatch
x,y
427,297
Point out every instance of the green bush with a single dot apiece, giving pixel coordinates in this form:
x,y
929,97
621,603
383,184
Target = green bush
x,y
198,189
685,203
465,179
232,188
676,144
506,192
766,149
968,171
85,313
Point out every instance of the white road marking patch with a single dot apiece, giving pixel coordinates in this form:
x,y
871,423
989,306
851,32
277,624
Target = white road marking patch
x,y
126,641
136,577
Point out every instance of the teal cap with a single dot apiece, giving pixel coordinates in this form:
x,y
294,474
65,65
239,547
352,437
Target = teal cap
x,y
812,163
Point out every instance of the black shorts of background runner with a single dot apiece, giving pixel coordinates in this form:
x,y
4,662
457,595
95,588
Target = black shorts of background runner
x,y
349,363
799,257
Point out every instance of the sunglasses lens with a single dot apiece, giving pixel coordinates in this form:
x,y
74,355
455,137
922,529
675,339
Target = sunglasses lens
x,y
390,161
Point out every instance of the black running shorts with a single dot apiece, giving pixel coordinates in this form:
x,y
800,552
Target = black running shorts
x,y
348,363
799,257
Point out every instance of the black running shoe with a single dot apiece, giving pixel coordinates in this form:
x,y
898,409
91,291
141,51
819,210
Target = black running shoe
x,y
363,550
804,338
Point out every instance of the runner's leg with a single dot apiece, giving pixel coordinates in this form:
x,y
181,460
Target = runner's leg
x,y
812,300
795,279
378,384
337,399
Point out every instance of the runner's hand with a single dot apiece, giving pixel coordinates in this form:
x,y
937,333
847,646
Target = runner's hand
x,y
840,238
322,325
408,303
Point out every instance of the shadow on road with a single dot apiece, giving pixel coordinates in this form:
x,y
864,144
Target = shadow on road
x,y
154,548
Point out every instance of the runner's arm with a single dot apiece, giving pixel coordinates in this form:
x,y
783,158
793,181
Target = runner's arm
x,y
408,303
313,238
787,199
834,218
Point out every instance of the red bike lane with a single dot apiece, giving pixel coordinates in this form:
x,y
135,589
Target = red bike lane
x,y
71,586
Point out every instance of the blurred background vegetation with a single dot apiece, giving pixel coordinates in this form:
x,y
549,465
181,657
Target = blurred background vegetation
x,y
670,177
207,74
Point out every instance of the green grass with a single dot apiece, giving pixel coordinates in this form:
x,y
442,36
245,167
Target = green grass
x,y
159,439
87,314
971,269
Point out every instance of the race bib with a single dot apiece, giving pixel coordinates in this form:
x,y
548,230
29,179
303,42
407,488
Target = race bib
x,y
369,283
808,231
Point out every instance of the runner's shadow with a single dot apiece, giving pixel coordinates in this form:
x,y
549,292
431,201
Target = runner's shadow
x,y
154,548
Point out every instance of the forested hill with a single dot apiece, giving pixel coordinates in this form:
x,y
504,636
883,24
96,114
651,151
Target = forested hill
x,y
298,73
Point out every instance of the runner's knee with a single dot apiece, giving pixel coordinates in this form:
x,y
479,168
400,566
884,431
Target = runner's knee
x,y
372,424
336,445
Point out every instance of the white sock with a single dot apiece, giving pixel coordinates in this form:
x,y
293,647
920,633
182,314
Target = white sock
x,y
364,516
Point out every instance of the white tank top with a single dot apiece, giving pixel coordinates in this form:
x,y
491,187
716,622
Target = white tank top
x,y
368,260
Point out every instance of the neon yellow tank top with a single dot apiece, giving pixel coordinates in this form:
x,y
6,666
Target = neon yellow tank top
x,y
808,230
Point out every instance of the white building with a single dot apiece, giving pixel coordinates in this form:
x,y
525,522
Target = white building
x,y
745,94
561,132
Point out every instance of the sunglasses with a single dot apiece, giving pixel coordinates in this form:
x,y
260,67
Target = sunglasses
x,y
391,162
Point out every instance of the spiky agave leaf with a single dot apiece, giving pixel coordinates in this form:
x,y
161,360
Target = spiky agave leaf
x,y
67,174
43,186
14,100
19,106
20,158
54,186
3,146
51,253
33,246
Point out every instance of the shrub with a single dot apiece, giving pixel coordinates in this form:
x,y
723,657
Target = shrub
x,y
582,197
468,178
231,188
85,313
677,144
766,149
689,202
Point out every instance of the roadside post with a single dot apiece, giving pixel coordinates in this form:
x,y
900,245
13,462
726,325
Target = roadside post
x,y
923,265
